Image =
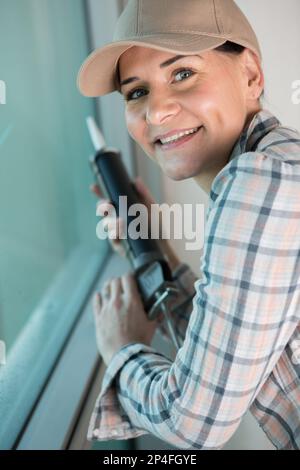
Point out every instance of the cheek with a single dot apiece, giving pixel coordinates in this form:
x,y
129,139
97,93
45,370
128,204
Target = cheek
x,y
135,120
131,124
137,130
229,94
218,103
203,101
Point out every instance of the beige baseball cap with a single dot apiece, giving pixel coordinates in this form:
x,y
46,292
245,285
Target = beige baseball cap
x,y
179,26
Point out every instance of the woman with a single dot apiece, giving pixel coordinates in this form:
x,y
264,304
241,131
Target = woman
x,y
197,70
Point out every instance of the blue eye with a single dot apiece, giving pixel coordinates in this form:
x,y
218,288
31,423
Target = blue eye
x,y
184,70
130,95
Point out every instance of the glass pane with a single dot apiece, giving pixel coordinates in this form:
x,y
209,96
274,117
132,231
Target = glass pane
x,y
47,214
46,210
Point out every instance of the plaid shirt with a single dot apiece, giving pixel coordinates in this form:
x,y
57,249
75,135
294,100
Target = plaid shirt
x,y
239,323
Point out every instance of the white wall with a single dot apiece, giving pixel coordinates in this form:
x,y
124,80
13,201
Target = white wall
x,y
277,26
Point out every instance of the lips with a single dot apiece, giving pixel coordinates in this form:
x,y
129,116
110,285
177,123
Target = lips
x,y
179,142
173,133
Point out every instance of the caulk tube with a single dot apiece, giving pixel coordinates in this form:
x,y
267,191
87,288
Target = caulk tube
x,y
150,266
114,182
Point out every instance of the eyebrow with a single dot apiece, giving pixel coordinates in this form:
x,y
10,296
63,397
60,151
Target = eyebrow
x,y
164,64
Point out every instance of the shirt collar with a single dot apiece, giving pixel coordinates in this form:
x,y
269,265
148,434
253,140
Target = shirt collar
x,y
260,125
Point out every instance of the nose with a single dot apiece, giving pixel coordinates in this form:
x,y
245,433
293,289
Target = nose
x,y
161,107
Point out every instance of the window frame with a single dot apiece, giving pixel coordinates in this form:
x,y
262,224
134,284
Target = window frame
x,y
26,422
54,419
34,346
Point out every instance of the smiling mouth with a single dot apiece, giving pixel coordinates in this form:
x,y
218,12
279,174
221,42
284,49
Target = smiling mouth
x,y
175,143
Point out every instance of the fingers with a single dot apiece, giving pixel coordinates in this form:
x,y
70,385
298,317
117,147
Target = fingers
x,y
99,299
106,290
111,290
115,288
116,230
129,285
94,188
118,247
97,304
104,207
112,224
115,227
140,186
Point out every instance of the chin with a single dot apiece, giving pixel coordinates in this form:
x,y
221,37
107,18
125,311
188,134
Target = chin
x,y
180,175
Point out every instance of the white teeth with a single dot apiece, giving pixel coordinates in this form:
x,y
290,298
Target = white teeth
x,y
178,136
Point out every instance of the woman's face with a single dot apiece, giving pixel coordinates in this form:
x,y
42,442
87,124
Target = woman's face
x,y
206,91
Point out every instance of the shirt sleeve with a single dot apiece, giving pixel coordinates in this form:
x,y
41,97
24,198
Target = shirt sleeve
x,y
244,312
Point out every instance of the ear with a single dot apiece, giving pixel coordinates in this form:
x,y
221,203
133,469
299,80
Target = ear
x,y
253,75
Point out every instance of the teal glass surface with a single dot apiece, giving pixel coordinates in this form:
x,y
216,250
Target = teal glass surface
x,y
47,213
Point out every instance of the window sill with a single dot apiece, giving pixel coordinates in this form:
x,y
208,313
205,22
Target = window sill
x,y
54,416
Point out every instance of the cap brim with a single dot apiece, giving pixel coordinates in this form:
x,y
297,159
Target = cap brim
x,y
97,73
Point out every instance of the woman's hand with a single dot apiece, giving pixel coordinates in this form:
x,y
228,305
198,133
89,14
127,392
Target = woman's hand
x,y
120,317
115,227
